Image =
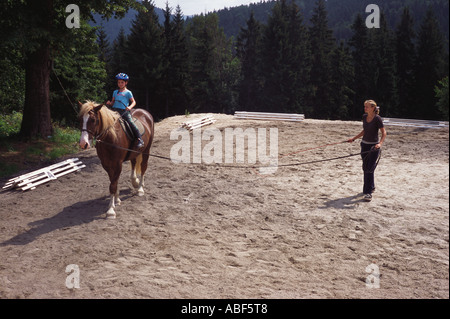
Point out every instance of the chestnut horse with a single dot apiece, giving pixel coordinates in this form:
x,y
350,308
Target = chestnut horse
x,y
113,146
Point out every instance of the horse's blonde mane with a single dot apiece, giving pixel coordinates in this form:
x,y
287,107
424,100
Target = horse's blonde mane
x,y
108,117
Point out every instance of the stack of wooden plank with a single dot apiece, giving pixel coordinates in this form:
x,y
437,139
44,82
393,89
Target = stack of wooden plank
x,y
198,123
414,123
33,179
269,116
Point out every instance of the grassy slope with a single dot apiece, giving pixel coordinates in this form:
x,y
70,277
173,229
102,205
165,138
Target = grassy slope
x,y
17,155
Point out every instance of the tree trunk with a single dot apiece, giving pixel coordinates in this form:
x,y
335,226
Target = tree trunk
x,y
36,114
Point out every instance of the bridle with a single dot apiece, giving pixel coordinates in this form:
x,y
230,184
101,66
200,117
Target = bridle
x,y
94,134
96,124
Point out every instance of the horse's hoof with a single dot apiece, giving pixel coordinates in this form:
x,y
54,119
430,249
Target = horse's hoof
x,y
141,193
111,214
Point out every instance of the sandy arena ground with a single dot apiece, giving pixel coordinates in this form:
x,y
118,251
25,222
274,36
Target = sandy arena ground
x,y
204,231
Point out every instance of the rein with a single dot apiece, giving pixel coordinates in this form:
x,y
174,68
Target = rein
x,y
133,151
97,138
250,167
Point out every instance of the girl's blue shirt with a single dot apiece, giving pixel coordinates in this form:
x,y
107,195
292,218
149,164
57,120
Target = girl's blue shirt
x,y
122,99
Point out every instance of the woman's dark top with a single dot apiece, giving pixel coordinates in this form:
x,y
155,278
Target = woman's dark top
x,y
371,129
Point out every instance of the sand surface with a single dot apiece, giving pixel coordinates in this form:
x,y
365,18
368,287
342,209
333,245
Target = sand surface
x,y
207,231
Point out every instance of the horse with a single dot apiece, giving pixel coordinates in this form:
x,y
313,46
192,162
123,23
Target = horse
x,y
114,147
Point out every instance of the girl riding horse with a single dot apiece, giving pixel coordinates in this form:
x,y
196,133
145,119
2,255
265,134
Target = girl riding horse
x,y
122,102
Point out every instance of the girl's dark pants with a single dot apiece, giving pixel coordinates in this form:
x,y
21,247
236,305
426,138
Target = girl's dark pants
x,y
126,115
370,160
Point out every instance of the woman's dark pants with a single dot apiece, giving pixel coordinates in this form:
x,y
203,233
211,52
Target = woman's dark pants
x,y
370,161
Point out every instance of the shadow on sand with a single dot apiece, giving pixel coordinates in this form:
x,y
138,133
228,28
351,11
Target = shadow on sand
x,y
344,203
74,215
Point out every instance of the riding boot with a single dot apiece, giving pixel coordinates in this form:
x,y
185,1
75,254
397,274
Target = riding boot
x,y
137,134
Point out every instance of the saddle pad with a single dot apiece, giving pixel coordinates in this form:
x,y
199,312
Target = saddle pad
x,y
128,131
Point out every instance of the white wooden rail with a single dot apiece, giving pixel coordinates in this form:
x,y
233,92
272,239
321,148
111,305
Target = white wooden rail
x,y
33,179
414,123
197,123
269,116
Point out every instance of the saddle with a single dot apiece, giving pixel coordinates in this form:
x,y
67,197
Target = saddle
x,y
128,131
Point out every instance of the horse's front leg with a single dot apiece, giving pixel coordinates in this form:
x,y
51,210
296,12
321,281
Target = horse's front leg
x,y
114,175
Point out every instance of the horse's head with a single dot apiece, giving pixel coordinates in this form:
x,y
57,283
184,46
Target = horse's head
x,y
89,118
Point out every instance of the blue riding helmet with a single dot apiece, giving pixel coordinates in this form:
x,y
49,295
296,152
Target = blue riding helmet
x,y
122,76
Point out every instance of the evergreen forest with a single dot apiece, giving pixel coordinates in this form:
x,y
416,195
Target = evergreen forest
x,y
285,56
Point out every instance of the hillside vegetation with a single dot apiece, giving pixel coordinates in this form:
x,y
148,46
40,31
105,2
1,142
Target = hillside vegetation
x,y
314,57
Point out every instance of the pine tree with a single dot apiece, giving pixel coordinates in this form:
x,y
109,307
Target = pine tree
x,y
275,60
180,68
429,68
322,45
104,46
341,80
405,58
214,72
105,54
299,63
119,61
382,54
176,63
285,57
363,79
248,50
145,63
226,69
201,59
167,59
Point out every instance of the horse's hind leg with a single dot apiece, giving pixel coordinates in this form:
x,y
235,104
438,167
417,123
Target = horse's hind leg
x,y
134,179
141,167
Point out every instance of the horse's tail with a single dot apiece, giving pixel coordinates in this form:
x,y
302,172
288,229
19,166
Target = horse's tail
x,y
138,165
